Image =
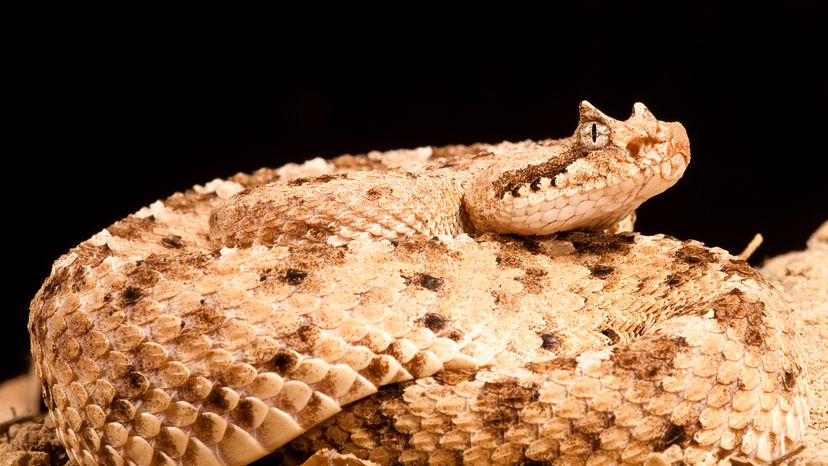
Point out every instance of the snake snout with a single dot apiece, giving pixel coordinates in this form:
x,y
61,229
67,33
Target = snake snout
x,y
679,140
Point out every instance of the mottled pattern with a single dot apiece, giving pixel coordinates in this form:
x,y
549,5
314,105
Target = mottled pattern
x,y
198,331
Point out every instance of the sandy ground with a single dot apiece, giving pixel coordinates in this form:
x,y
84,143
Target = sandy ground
x,y
29,439
803,276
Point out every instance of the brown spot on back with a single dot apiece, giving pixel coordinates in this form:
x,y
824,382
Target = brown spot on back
x,y
736,305
741,268
321,179
789,380
599,243
550,341
674,435
612,335
434,322
429,282
512,180
92,255
284,362
376,193
500,403
189,200
131,295
54,283
695,255
601,271
177,265
654,360
172,242
132,227
454,334
673,280
294,276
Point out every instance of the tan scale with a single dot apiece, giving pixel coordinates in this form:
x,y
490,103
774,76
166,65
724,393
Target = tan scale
x,y
427,306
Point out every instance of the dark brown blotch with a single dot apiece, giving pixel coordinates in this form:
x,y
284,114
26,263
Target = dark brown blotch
x,y
674,435
673,280
55,283
695,255
429,282
613,336
789,380
601,271
284,362
172,242
376,193
599,243
653,361
501,402
454,335
550,341
131,295
132,227
294,276
736,305
92,255
434,322
741,268
321,179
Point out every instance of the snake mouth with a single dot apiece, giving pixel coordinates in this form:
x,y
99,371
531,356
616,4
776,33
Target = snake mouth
x,y
599,202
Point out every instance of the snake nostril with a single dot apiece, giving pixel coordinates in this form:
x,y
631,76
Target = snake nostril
x,y
634,147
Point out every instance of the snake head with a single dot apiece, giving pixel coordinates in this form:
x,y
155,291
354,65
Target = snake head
x,y
588,181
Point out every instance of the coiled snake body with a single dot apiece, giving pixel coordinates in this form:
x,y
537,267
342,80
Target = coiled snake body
x,y
454,305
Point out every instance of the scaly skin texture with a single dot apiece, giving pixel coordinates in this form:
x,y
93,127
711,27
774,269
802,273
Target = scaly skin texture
x,y
371,304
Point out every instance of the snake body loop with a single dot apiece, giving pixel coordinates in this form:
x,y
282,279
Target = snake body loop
x,y
457,305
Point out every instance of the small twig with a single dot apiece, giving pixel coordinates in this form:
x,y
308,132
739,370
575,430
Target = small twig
x,y
787,456
751,247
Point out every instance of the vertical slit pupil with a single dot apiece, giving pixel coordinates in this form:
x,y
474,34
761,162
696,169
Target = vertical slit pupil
x,y
594,133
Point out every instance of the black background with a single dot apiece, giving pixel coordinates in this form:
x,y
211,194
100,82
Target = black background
x,y
128,105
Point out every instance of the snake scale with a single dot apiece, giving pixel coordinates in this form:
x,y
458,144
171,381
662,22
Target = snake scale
x,y
479,304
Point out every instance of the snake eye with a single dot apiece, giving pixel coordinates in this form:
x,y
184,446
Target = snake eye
x,y
594,134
